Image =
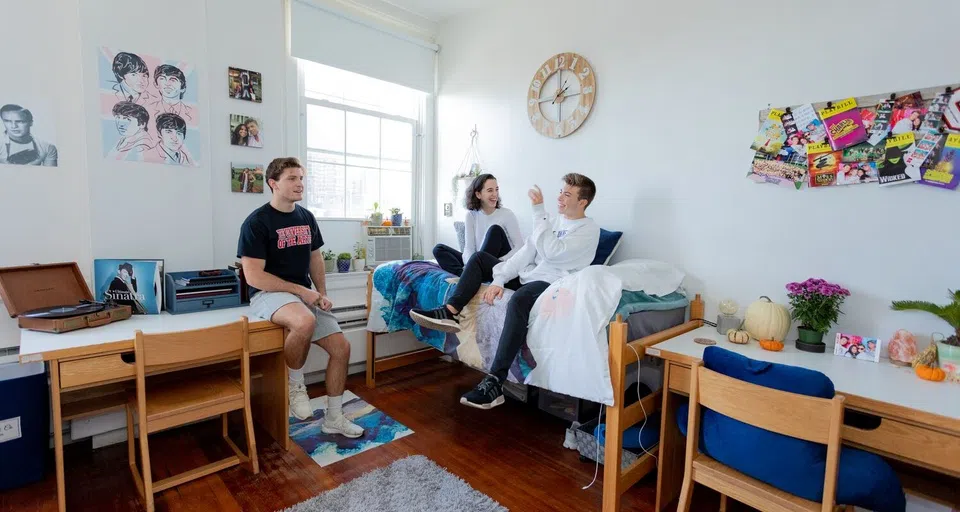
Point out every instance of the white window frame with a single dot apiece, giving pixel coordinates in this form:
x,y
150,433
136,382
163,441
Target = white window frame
x,y
417,157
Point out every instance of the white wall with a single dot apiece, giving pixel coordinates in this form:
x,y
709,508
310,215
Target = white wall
x,y
679,87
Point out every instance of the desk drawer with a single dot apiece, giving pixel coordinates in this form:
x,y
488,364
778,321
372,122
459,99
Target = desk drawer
x,y
270,339
919,445
679,378
94,370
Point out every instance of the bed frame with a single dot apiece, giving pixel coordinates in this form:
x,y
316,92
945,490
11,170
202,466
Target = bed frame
x,y
616,481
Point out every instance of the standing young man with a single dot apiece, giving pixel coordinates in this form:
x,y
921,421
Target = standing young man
x,y
555,249
279,249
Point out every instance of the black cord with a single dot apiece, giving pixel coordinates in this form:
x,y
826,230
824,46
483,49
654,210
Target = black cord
x,y
708,322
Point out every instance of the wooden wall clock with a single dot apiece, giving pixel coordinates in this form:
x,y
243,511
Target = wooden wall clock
x,y
561,95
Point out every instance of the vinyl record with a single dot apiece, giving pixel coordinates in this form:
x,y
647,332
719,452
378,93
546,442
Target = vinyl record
x,y
64,311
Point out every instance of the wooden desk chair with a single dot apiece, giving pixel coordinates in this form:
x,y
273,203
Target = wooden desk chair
x,y
813,419
175,402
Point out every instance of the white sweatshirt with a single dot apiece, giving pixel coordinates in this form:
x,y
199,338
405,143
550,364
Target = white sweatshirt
x,y
555,249
477,223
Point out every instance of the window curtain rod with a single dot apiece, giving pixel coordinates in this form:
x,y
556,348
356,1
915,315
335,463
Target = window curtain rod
x,y
369,24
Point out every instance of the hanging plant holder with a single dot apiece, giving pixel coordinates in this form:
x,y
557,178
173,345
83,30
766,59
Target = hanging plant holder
x,y
470,166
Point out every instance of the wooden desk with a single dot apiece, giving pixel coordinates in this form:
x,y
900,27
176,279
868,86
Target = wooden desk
x,y
91,369
919,421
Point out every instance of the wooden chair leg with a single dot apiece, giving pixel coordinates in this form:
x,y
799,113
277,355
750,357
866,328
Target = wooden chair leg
x,y
251,441
147,476
686,493
131,449
723,503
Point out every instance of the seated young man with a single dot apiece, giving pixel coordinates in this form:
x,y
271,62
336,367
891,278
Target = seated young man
x,y
555,249
280,252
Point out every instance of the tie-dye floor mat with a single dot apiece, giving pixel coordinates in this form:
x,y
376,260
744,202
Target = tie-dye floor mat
x,y
325,449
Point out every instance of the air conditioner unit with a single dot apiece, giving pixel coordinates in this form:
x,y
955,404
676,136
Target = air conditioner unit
x,y
388,243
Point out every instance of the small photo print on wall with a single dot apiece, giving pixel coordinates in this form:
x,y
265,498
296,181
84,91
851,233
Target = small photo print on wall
x,y
29,135
245,85
857,347
246,178
137,283
148,108
246,131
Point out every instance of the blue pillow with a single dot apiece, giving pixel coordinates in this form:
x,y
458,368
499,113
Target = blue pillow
x,y
787,463
609,241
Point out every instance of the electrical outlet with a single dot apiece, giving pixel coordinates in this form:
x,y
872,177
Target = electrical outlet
x,y
448,209
10,429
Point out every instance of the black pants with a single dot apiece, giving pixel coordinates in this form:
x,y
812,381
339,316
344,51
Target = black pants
x,y
479,269
495,243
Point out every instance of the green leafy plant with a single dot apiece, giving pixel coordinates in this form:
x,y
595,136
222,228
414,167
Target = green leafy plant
x,y
328,255
816,303
949,313
343,256
395,211
376,207
359,251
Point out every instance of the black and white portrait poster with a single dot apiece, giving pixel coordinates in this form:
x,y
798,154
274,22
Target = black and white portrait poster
x,y
28,131
148,108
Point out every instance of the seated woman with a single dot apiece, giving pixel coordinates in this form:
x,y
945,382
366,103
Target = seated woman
x,y
488,226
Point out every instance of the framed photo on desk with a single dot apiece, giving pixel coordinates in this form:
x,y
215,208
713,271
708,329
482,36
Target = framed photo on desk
x,y
857,347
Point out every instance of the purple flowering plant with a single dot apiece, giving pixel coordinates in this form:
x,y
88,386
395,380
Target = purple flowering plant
x,y
816,303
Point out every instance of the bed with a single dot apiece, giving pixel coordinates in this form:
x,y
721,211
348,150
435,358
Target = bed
x,y
590,367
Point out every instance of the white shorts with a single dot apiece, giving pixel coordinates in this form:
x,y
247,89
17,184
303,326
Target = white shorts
x,y
265,304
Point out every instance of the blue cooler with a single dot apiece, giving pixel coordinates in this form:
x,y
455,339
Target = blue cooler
x,y
24,423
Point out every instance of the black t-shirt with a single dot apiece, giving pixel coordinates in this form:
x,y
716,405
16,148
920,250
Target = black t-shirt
x,y
284,240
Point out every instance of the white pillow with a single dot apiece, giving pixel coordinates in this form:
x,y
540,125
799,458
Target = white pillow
x,y
650,276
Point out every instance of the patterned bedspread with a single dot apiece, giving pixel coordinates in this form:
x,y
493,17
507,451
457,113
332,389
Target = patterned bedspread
x,y
401,285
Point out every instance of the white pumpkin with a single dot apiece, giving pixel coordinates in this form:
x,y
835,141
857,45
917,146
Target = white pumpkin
x,y
767,320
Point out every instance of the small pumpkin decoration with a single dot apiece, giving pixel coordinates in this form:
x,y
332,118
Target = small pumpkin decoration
x,y
387,222
767,320
771,345
738,336
927,365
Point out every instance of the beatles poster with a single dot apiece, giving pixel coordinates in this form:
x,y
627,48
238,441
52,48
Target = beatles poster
x,y
148,108
132,282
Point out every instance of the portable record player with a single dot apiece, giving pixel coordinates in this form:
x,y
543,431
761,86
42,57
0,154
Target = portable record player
x,y
54,298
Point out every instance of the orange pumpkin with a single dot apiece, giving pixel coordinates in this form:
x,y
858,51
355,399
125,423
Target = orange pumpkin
x,y
772,345
929,373
387,222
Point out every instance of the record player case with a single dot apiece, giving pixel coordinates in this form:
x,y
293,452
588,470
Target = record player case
x,y
29,287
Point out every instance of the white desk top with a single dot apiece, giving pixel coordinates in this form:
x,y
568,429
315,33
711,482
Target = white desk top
x,y
883,381
34,343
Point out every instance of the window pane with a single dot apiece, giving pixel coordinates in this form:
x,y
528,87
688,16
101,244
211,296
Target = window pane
x,y
363,161
363,134
325,128
363,189
397,165
324,156
397,140
397,191
325,185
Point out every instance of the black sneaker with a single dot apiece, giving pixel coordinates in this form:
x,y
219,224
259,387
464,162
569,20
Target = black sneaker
x,y
487,395
440,319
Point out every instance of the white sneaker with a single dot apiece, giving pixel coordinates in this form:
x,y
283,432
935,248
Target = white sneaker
x,y
341,425
299,401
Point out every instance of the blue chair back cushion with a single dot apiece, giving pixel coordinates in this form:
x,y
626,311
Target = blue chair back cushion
x,y
787,463
609,240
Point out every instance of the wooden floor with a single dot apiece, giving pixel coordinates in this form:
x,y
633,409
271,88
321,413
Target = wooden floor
x,y
513,453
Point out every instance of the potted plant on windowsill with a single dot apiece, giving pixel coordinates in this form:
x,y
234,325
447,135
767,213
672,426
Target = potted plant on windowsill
x,y
396,218
329,262
343,262
816,304
360,256
376,218
948,349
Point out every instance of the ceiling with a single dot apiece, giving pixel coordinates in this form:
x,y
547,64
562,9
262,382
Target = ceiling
x,y
439,10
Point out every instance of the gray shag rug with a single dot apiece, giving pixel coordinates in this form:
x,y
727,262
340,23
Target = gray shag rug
x,y
413,483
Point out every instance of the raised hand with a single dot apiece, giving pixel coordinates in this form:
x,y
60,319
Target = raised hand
x,y
535,195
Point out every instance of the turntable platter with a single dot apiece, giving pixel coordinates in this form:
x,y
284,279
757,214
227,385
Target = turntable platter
x,y
64,311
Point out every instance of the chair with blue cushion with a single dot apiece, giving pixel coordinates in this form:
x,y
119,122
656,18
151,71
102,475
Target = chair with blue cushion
x,y
768,435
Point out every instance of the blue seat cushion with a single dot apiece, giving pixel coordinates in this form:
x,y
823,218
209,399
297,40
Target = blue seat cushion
x,y
790,464
609,241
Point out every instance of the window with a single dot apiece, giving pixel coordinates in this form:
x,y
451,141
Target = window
x,y
361,142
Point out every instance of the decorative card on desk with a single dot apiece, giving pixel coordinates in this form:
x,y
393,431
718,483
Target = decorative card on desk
x,y
943,169
771,136
857,347
844,124
131,282
893,170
